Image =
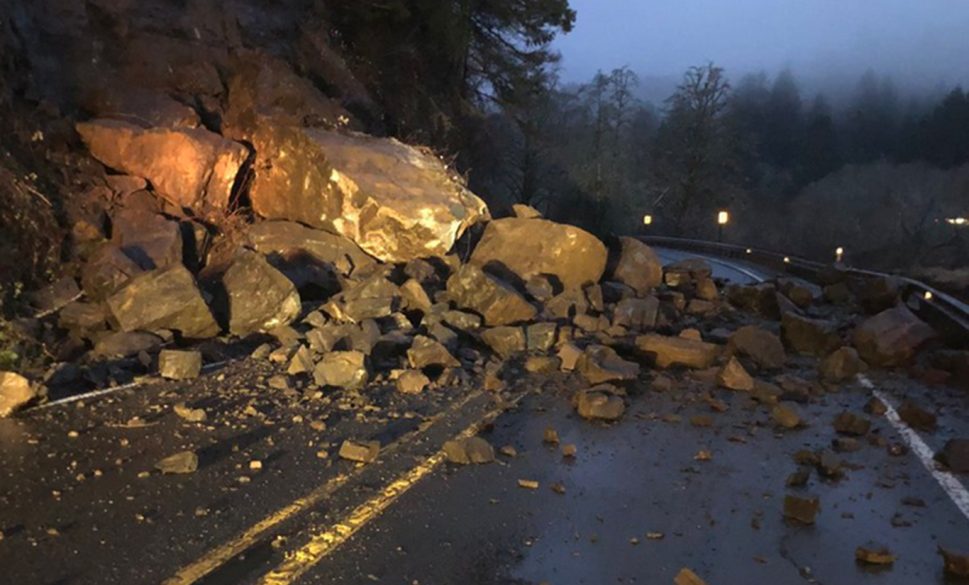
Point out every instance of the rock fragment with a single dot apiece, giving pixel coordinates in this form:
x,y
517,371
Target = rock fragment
x,y
474,450
16,392
763,347
184,462
669,351
801,509
164,299
361,452
342,369
472,288
600,363
176,364
733,376
412,382
425,352
955,455
637,266
505,341
892,337
809,336
785,415
874,554
259,297
688,577
955,563
842,364
599,404
848,423
195,415
916,417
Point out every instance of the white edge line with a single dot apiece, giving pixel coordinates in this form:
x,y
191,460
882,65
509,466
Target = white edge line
x,y
950,483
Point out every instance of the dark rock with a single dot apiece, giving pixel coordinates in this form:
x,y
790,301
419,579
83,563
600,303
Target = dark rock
x,y
830,465
955,455
532,247
849,423
260,298
877,294
763,347
760,299
163,299
567,304
892,337
636,314
786,415
396,202
83,317
809,336
916,417
291,238
801,509
189,167
540,336
149,239
800,294
107,270
126,344
179,365
842,364
955,563
56,295
838,294
686,273
471,288
668,351
467,451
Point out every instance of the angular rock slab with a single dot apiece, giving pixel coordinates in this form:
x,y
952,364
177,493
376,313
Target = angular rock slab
x,y
638,266
189,167
396,202
289,237
499,304
260,298
15,392
892,337
164,299
534,247
670,351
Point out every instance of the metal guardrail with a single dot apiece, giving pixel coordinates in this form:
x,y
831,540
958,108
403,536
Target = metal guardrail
x,y
947,314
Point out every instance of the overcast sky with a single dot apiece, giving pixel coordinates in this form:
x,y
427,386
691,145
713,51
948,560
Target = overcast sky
x,y
921,43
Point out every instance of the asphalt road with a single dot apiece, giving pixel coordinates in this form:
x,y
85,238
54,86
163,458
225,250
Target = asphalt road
x,y
81,503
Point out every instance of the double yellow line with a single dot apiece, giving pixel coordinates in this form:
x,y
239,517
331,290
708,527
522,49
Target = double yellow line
x,y
323,543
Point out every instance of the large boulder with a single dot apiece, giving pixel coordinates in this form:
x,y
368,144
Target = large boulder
x,y
532,247
498,303
107,270
287,238
763,347
167,298
842,364
892,337
637,266
189,167
809,336
259,297
395,201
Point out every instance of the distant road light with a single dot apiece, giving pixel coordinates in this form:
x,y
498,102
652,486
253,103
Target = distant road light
x,y
647,219
723,217
749,251
928,295
787,259
957,220
839,254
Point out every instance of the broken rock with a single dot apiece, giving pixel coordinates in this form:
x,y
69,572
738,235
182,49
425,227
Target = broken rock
x,y
599,403
532,247
361,452
669,351
637,266
843,364
260,298
763,347
425,352
342,369
184,462
164,299
16,392
471,450
505,341
471,288
955,563
412,382
848,423
801,509
179,365
288,238
396,202
809,336
733,376
636,314
190,167
955,454
785,415
892,337
874,554
600,363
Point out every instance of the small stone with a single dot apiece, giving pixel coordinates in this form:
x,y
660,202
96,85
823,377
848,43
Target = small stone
x,y
279,382
195,415
845,444
701,420
558,487
955,563
361,452
569,355
799,478
600,363
471,450
412,382
569,450
830,465
528,484
801,509
688,577
425,352
955,454
508,451
874,554
916,417
542,364
255,465
733,376
875,407
785,415
184,462
593,404
848,423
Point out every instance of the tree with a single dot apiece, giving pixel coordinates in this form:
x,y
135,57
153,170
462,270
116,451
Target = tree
x,y
783,123
821,152
694,153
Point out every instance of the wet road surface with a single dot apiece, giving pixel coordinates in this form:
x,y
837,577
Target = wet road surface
x,y
80,503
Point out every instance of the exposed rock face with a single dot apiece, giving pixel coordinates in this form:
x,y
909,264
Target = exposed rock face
x,y
189,167
809,336
762,346
15,392
288,237
638,266
163,299
892,337
471,288
396,202
533,247
260,298
669,351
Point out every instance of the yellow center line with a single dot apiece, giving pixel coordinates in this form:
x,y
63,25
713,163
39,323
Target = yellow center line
x,y
222,554
298,562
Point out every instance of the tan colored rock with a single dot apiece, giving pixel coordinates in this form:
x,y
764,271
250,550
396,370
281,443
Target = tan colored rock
x,y
809,336
569,354
842,364
425,351
525,211
179,463
472,288
688,577
637,266
892,337
412,382
396,202
733,376
176,364
505,341
15,393
600,363
467,451
802,509
189,167
636,314
163,299
669,351
763,347
342,369
955,563
532,247
361,452
596,404
291,239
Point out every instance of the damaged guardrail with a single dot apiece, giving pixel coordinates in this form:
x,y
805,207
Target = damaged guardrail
x,y
947,314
